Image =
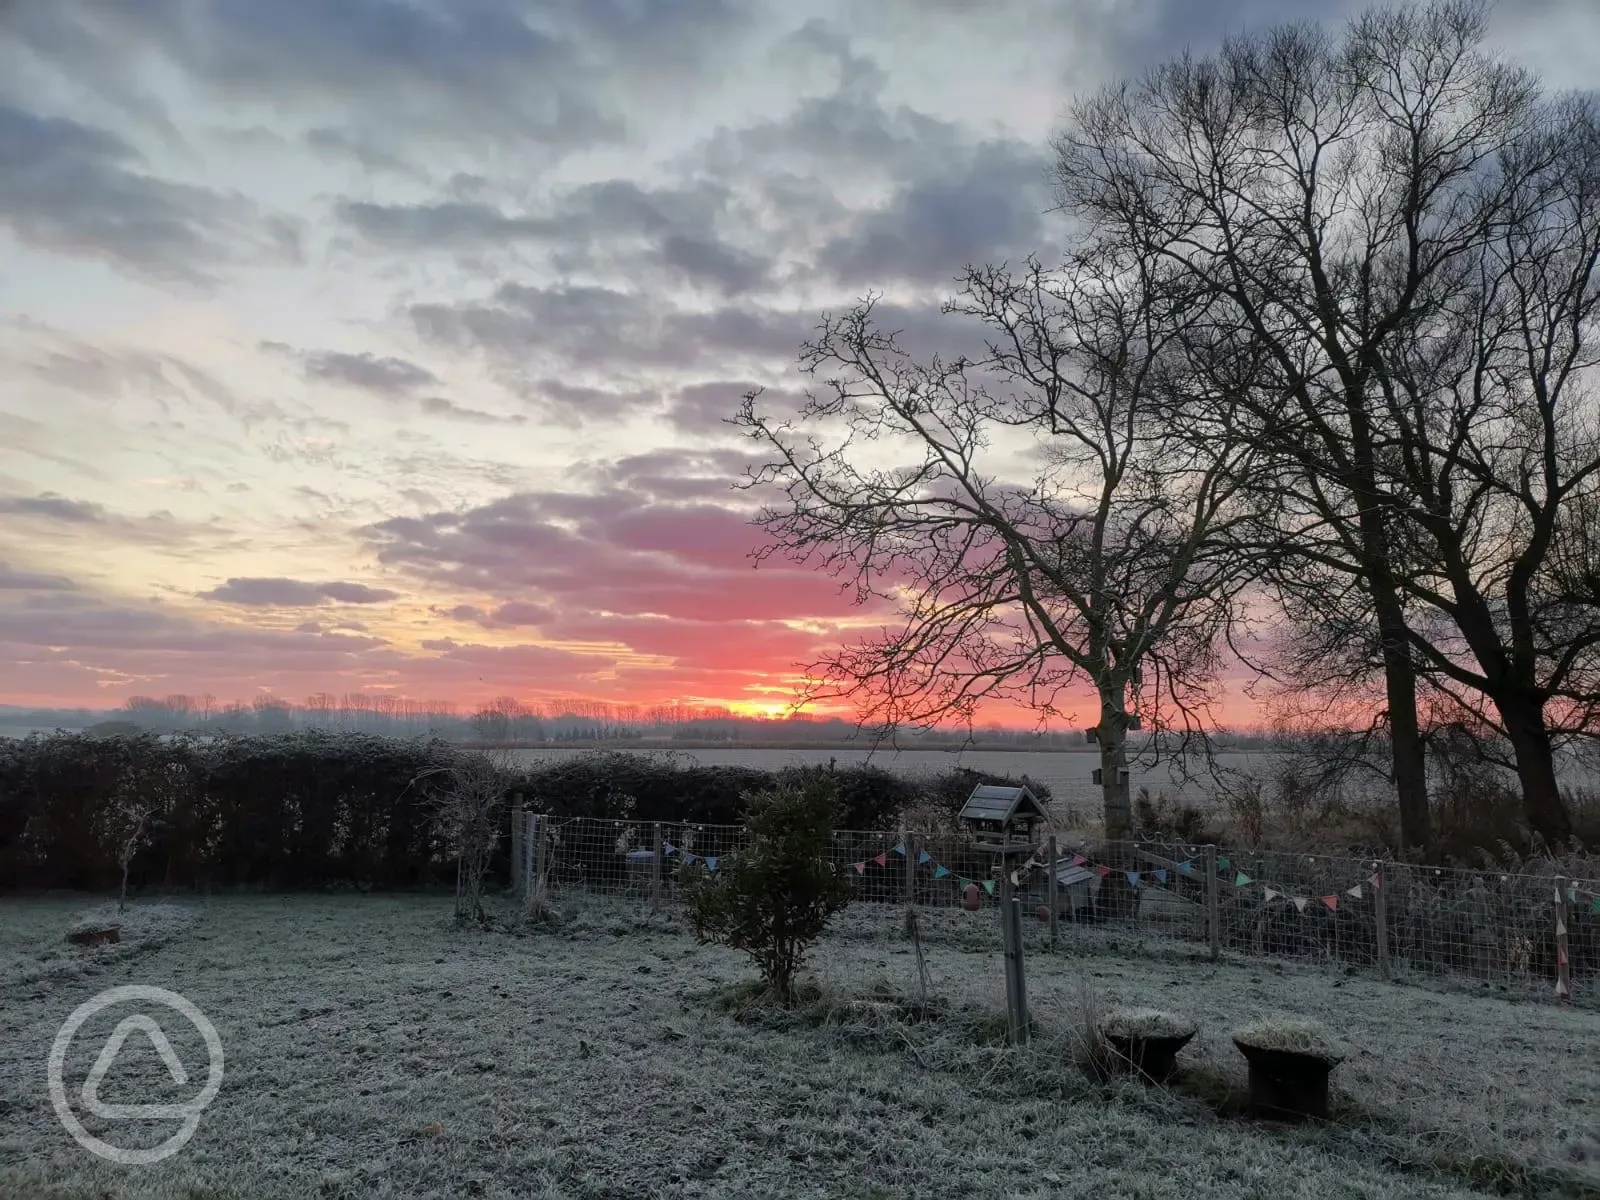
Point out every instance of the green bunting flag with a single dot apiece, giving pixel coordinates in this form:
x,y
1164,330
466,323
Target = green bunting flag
x,y
1594,906
1222,863
988,886
1241,880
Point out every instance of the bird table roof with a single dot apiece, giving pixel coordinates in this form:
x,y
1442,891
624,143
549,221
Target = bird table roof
x,y
991,802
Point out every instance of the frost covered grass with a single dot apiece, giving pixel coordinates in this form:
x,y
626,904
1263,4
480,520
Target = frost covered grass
x,y
1294,1035
374,1051
1145,1023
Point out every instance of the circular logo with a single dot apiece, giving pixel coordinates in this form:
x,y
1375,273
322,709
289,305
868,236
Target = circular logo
x,y
188,1112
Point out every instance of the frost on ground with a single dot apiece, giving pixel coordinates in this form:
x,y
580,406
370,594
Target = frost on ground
x,y
373,1051
34,951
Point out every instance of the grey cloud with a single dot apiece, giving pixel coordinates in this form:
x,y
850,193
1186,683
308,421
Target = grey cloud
x,y
984,206
16,580
440,407
373,372
76,190
278,592
55,508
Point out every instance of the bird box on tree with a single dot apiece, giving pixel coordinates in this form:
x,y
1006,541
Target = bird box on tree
x,y
1002,819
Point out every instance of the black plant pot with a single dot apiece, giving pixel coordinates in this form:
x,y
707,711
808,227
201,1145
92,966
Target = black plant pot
x,y
1288,1084
1153,1057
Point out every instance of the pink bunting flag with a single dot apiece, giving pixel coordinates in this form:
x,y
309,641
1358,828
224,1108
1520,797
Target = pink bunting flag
x,y
1561,955
861,868
1376,880
1104,871
882,860
1078,860
1332,902
1355,891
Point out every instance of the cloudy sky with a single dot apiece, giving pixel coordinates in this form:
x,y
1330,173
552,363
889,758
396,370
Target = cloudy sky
x,y
385,344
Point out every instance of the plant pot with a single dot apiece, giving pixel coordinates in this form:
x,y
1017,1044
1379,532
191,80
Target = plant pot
x,y
1155,1058
1288,1084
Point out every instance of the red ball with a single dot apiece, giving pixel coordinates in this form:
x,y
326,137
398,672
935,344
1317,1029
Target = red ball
x,y
969,898
1043,912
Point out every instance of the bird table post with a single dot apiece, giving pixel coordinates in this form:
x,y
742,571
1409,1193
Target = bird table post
x,y
1213,910
1380,914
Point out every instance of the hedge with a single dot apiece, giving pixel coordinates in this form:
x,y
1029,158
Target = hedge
x,y
314,809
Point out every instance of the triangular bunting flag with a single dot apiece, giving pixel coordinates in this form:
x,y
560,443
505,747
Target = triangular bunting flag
x,y
940,872
1223,863
1332,902
1558,895
1104,871
861,868
988,886
1561,956
900,849
924,857
669,847
1594,906
1186,867
1561,927
1078,860
688,858
1014,881
1300,903
1162,876
1241,880
1133,878
1376,880
1271,895
1572,895
882,860
711,862
1355,891
1561,987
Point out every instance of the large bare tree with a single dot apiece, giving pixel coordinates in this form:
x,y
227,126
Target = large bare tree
x,y
1027,517
1335,197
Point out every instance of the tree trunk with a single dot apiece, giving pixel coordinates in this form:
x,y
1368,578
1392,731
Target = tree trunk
x,y
1410,762
1117,897
1522,713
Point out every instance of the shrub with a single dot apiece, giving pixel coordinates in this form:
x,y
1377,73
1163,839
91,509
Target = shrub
x,y
773,898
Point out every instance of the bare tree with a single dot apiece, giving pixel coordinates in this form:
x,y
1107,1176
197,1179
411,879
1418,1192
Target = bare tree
x,y
469,809
1112,565
1332,197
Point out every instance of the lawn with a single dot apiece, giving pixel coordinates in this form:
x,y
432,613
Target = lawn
x,y
374,1051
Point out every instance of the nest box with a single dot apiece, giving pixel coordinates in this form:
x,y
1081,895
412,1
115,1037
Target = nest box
x,y
1002,819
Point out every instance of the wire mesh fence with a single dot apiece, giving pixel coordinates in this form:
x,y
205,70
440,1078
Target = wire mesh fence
x,y
1536,935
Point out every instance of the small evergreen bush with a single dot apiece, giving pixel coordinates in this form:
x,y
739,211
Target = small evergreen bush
x,y
773,898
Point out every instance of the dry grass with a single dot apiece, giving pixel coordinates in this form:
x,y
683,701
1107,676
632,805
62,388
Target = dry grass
x,y
374,1051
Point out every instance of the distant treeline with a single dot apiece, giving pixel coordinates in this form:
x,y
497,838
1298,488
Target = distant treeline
x,y
316,809
508,720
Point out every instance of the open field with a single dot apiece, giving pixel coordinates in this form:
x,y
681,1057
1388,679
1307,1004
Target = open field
x,y
372,1051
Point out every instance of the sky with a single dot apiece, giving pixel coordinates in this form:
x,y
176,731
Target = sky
x,y
386,345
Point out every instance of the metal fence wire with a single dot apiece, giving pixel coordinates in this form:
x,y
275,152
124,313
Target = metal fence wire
x,y
1529,934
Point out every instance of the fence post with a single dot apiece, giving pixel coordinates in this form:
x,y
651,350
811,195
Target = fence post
x,y
911,868
517,877
1213,911
658,868
1380,913
1563,959
535,834
1050,885
1016,977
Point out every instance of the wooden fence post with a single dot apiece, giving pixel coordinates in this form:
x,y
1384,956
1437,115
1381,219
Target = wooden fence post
x,y
911,868
1016,976
536,835
1380,914
659,867
1051,888
1213,910
518,880
1563,958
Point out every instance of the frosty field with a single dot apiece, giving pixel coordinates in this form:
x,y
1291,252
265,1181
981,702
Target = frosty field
x,y
373,1051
